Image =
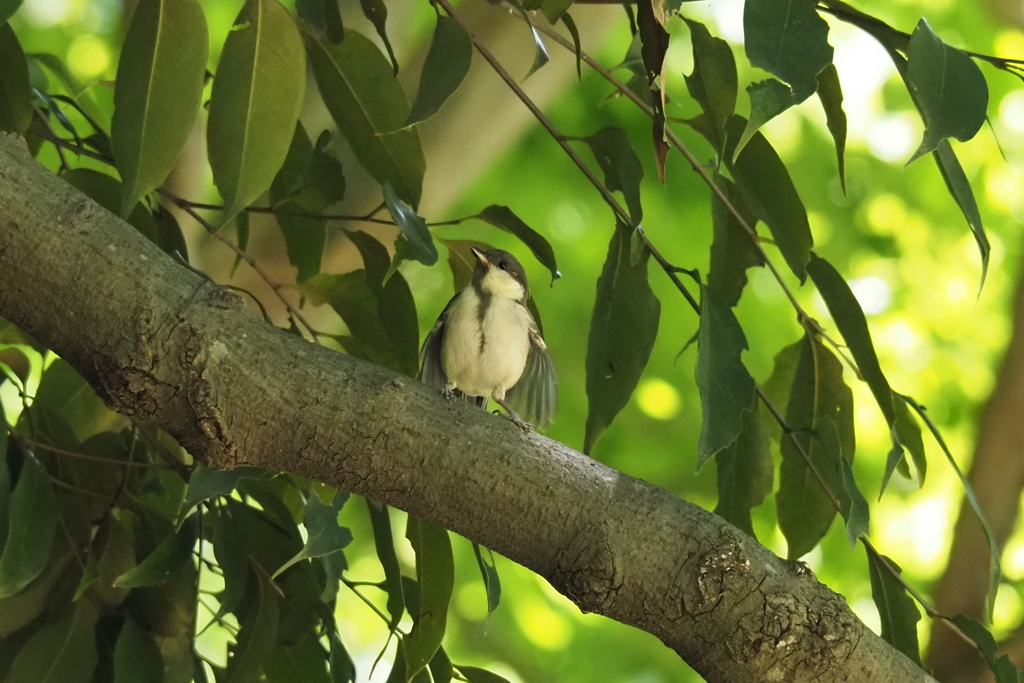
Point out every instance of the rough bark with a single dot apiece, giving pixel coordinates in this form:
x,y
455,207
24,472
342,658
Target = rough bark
x,y
160,342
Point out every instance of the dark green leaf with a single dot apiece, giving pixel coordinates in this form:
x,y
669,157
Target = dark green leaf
x,y
477,675
323,533
21,609
302,663
369,106
8,8
62,651
555,9
255,102
621,166
5,486
1000,665
745,473
960,189
256,635
377,13
570,26
948,88
15,92
440,666
447,64
830,93
909,434
623,328
74,88
31,530
305,239
896,609
820,412
732,249
726,388
435,576
540,57
502,217
294,172
230,551
713,82
206,483
764,181
768,99
654,46
856,512
789,39
137,658
160,79
414,241
169,236
324,15
385,545
342,668
108,193
172,553
489,574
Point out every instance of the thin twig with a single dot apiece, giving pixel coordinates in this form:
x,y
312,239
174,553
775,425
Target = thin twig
x,y
81,456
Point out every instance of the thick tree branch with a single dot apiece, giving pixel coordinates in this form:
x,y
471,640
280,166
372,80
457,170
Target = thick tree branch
x,y
160,343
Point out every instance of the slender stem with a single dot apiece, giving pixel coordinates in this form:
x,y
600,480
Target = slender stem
x,y
368,218
81,456
352,586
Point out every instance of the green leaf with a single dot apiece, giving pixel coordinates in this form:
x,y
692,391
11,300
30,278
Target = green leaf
x,y
745,473
74,88
732,249
305,239
414,241
713,82
169,236
61,651
960,189
294,172
555,9
323,533
369,106
160,79
440,666
8,8
342,668
205,483
623,328
540,55
820,412
172,553
896,609
255,102
765,183
477,675
789,39
1005,671
5,486
451,53
384,543
377,13
726,388
621,166
137,658
830,93
435,576
570,26
323,14
948,88
768,99
15,92
503,217
230,551
31,530
108,193
856,512
489,574
257,634
305,663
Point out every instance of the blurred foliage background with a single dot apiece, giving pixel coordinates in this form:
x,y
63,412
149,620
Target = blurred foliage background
x,y
895,234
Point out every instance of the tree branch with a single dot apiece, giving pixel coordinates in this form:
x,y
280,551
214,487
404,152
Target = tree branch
x,y
161,343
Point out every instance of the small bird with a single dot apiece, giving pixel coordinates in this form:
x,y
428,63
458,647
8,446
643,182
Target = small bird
x,y
486,344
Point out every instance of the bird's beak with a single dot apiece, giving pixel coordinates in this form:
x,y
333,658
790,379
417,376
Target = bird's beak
x,y
480,256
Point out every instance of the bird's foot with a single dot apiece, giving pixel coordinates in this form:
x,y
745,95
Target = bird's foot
x,y
448,392
525,426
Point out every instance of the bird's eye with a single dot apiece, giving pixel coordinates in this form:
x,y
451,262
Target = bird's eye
x,y
503,265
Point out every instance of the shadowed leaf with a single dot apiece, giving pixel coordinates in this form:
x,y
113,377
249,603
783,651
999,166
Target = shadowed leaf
x,y
173,552
435,577
503,217
414,241
787,38
896,609
745,473
206,483
377,14
323,533
61,651
324,15
32,526
622,169
137,658
713,82
960,189
830,93
257,634
451,53
15,91
732,249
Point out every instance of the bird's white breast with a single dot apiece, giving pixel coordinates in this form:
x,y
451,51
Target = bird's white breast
x,y
485,357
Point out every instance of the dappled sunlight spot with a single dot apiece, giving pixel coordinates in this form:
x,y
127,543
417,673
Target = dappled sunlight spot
x,y
1008,42
916,530
821,227
956,290
45,13
728,15
886,212
568,220
658,399
784,133
1011,111
471,600
893,137
1003,184
865,609
814,559
765,286
901,341
544,627
88,56
1013,557
1008,609
863,69
872,293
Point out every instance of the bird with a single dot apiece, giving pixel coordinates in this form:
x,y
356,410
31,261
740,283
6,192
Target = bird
x,y
486,344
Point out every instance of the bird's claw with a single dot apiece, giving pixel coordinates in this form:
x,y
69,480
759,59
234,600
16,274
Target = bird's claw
x,y
517,421
448,393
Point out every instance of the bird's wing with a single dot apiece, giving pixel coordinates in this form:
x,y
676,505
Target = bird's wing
x,y
431,370
535,395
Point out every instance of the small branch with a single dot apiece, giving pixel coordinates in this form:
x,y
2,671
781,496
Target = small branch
x,y
81,456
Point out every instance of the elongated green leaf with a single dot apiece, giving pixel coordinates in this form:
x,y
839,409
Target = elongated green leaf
x,y
896,609
377,13
622,168
256,635
160,79
15,92
169,556
73,87
745,473
1000,665
342,668
169,236
771,195
503,217
324,15
414,241
622,332
206,483
713,82
324,534
369,106
732,249
230,551
477,675
948,88
137,658
447,64
540,56
5,487
435,576
830,93
8,8
255,103
489,574
726,388
789,39
62,651
31,528
440,666
654,47
555,9
821,411
305,239
574,32
383,541
960,189
768,99
305,662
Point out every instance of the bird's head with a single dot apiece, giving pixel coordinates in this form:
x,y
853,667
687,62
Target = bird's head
x,y
498,273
